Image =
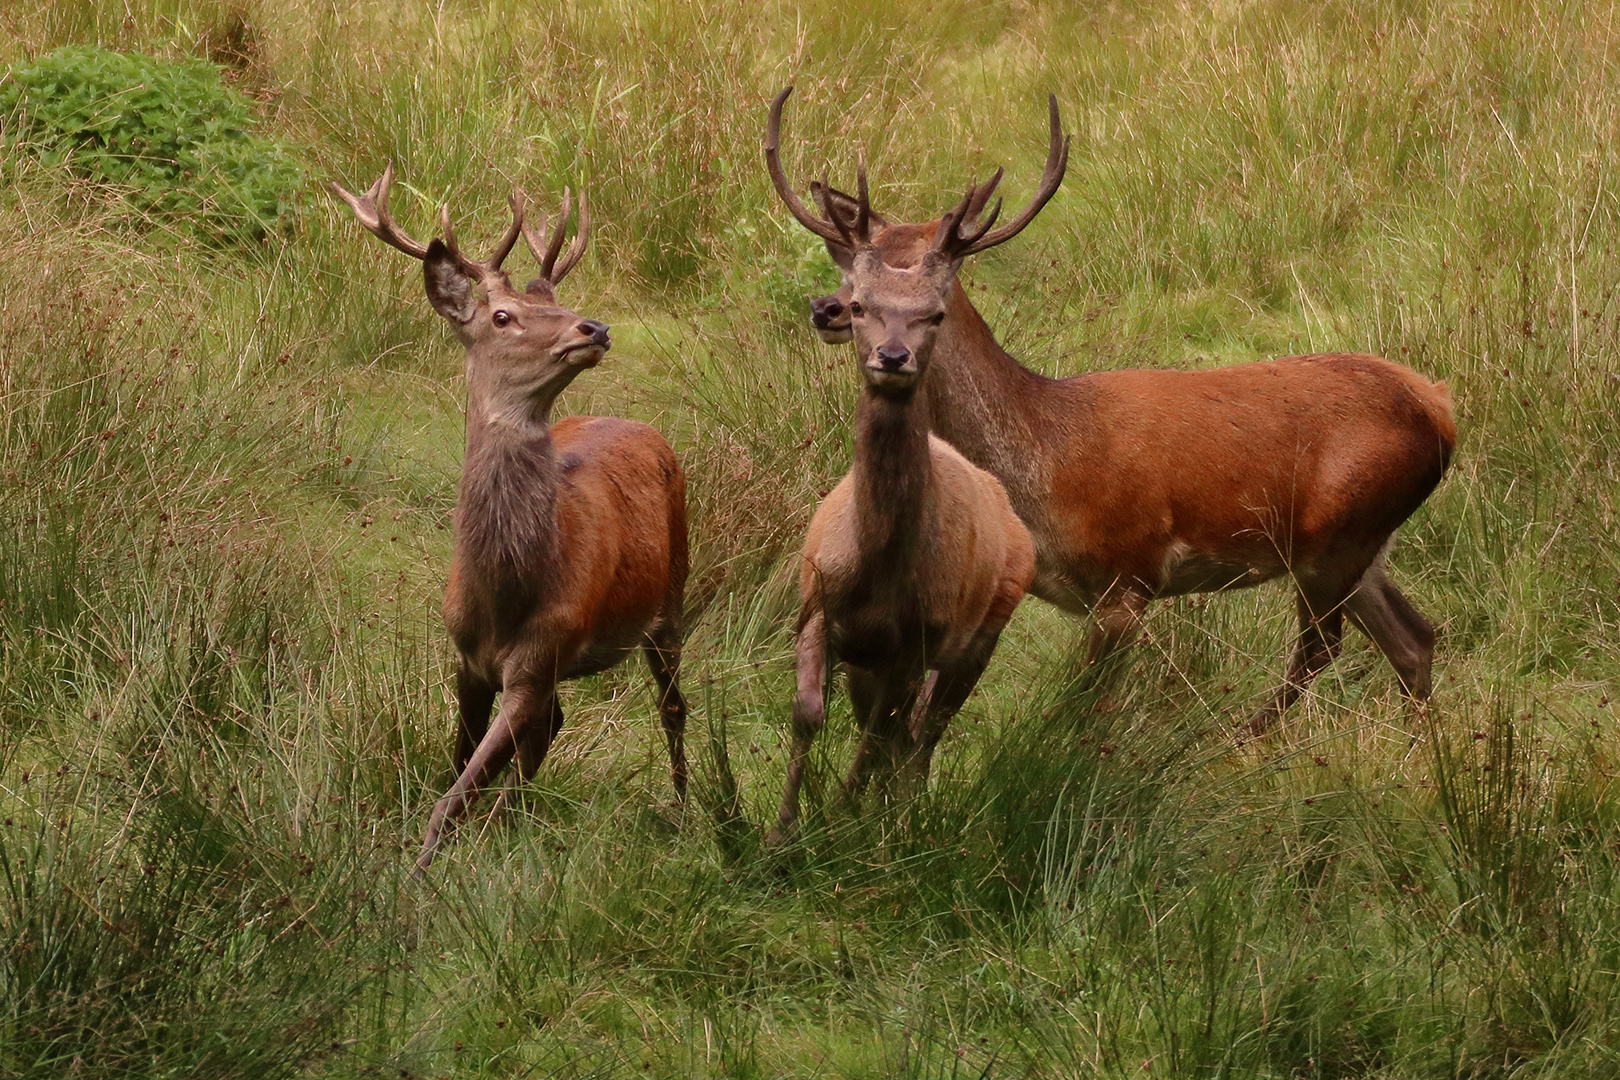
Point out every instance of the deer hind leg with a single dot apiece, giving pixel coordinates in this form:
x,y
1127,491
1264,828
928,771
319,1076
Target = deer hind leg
x,y
520,704
809,712
475,698
1321,628
1399,630
663,651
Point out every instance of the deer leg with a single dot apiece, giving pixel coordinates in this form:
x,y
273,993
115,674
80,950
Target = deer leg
x,y
1321,626
519,704
663,652
1118,616
535,741
809,712
475,698
1399,630
952,689
886,739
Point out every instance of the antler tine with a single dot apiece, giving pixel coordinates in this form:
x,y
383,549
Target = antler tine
x,y
948,237
863,212
536,238
837,217
372,211
828,230
470,267
582,235
982,193
554,242
509,238
1057,161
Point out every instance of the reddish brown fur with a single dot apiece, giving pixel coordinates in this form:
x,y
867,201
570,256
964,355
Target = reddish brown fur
x,y
570,538
1144,483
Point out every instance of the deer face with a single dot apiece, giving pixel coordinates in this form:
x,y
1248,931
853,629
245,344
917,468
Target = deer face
x,y
895,315
523,348
901,246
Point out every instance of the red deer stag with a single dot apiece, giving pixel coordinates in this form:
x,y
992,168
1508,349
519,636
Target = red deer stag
x,y
570,538
915,561
1138,483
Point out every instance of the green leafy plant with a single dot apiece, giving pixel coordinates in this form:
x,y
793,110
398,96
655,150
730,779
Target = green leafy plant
x,y
175,139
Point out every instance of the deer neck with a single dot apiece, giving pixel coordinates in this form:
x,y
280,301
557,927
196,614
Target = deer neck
x,y
986,404
894,483
506,509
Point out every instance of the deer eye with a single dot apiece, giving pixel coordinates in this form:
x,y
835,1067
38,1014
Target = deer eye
x,y
936,318
500,318
855,309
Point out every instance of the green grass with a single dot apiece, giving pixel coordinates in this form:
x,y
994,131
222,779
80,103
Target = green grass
x,y
225,706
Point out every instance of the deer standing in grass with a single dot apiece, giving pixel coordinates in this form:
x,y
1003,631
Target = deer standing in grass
x,y
570,541
915,561
1138,484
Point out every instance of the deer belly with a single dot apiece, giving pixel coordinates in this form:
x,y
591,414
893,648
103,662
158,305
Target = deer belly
x,y
1186,570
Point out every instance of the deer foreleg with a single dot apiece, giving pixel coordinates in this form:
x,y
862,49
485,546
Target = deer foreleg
x,y
1119,616
1321,626
809,713
495,750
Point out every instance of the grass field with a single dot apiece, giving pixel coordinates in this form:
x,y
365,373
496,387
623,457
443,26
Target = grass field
x,y
225,699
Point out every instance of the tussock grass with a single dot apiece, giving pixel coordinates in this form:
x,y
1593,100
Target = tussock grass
x,y
228,479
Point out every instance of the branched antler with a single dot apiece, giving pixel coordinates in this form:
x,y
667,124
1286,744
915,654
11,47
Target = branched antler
x,y
546,251
372,211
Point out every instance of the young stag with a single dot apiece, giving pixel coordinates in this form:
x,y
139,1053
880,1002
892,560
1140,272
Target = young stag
x,y
1138,483
570,541
915,561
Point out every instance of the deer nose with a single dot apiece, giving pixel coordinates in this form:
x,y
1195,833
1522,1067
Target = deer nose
x,y
597,332
824,309
892,358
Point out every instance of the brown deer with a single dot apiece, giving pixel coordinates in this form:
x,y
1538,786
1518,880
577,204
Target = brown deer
x,y
570,538
1139,483
915,561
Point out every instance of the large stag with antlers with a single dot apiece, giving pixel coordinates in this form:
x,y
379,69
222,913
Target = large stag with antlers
x,y
1138,484
915,561
570,541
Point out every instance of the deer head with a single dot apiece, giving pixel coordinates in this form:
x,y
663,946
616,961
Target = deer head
x,y
896,300
522,347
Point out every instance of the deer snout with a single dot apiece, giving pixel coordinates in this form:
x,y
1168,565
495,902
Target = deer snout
x,y
891,358
596,333
826,311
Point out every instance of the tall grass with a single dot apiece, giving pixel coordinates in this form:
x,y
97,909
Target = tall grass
x,y
224,698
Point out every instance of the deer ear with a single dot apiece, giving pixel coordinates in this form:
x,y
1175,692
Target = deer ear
x,y
939,269
449,289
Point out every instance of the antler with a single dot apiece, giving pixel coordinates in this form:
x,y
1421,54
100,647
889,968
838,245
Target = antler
x,y
546,251
948,238
833,231
1057,162
372,210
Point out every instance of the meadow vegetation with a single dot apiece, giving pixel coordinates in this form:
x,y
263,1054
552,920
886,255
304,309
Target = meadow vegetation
x,y
229,468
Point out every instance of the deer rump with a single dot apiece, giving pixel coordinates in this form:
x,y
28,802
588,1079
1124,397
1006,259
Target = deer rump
x,y
1170,482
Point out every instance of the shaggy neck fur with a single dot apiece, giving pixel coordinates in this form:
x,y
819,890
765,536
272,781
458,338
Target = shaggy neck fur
x,y
506,512
894,481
